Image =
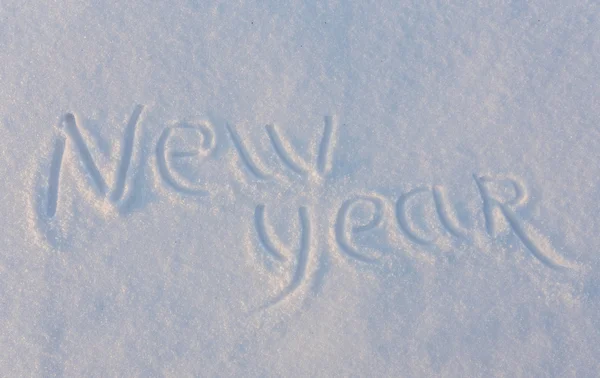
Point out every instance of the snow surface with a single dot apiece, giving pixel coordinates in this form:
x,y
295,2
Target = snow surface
x,y
300,188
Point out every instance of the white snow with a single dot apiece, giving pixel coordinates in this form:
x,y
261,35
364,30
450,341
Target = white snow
x,y
299,188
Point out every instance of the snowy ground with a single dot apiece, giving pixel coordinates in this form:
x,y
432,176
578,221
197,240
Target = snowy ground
x,y
315,188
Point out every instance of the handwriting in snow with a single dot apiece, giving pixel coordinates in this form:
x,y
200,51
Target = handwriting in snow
x,y
346,227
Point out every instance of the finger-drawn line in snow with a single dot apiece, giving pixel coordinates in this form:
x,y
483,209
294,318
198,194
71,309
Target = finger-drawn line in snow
x,y
126,154
164,156
245,156
285,152
447,219
54,177
276,250
266,241
402,216
328,143
344,233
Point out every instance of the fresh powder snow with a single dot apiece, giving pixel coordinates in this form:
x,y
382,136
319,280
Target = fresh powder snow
x,y
299,188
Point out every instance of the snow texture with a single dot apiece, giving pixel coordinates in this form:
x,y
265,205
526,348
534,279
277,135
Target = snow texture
x,y
300,188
